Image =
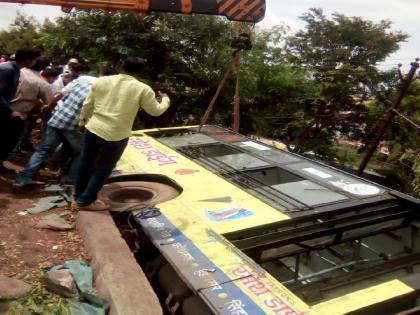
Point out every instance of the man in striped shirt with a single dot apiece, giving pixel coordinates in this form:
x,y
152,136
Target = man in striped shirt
x,y
63,124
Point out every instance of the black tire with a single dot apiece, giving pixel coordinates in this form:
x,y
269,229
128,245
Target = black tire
x,y
132,195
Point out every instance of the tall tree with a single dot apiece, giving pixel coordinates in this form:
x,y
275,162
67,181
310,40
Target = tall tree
x,y
23,32
272,88
340,54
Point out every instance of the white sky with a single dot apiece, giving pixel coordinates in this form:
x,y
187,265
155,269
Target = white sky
x,y
403,14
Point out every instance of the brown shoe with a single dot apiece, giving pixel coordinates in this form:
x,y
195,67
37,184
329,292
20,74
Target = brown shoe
x,y
97,205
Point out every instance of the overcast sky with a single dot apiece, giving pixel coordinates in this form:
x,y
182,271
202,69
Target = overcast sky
x,y
403,14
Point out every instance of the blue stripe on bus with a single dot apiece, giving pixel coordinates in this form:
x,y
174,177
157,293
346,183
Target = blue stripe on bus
x,y
202,274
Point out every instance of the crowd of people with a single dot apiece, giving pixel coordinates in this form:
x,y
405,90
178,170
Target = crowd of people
x,y
88,118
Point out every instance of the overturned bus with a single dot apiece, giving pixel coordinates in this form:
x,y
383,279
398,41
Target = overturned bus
x,y
223,224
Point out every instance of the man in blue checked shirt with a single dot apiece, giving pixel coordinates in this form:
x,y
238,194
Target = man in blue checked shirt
x,y
63,124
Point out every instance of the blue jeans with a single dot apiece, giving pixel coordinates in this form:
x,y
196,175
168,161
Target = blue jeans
x,y
99,158
52,138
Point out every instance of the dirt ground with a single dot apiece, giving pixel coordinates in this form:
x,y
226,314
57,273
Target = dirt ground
x,y
24,249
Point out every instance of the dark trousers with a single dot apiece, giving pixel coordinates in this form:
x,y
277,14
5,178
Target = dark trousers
x,y
10,131
99,158
25,141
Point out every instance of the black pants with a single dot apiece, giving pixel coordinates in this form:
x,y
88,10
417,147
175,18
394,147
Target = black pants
x,y
10,131
99,158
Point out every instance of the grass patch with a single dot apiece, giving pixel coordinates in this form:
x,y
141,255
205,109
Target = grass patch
x,y
348,155
39,301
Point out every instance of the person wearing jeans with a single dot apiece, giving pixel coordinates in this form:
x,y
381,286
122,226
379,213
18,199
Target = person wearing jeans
x,y
62,126
104,154
107,118
52,138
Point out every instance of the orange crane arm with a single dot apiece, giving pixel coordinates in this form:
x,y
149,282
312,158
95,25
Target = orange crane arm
x,y
236,10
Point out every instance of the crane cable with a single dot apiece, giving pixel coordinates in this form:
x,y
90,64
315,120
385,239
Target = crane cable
x,y
242,41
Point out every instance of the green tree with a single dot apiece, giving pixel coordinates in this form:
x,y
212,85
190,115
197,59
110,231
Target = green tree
x,y
23,32
411,162
401,134
186,55
340,54
96,38
402,137
272,89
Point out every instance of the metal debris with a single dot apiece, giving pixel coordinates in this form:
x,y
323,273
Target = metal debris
x,y
47,203
54,222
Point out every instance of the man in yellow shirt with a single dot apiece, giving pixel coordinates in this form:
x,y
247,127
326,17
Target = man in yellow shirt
x,y
108,115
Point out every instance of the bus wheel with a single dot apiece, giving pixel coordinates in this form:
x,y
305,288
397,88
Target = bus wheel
x,y
129,195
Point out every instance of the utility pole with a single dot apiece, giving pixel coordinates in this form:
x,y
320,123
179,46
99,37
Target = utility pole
x,y
390,115
236,98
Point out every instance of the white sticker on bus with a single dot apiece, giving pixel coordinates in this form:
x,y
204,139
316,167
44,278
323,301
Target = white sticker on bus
x,y
316,172
255,145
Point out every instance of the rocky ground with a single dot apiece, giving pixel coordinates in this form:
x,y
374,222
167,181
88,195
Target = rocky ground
x,y
24,248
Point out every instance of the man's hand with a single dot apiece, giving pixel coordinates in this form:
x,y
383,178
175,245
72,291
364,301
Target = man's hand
x,y
45,111
160,95
18,116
